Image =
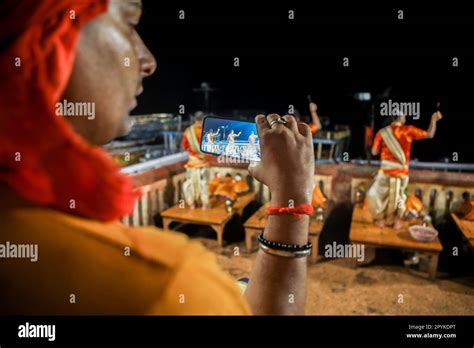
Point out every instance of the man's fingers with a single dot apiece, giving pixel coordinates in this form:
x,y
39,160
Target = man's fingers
x,y
437,115
291,123
271,118
262,125
304,130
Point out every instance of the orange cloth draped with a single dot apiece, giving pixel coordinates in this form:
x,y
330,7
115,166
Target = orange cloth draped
x,y
318,199
213,185
413,203
241,186
405,136
228,187
467,210
470,216
227,190
196,157
41,158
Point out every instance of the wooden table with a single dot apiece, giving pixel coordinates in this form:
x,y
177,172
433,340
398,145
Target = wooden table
x,y
215,217
256,224
466,227
364,231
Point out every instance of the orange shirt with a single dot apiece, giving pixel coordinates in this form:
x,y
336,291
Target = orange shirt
x,y
186,144
162,273
405,136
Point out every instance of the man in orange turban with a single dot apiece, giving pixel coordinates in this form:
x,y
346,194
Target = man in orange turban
x,y
70,73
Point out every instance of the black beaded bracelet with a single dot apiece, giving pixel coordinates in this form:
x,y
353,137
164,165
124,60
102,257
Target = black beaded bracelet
x,y
286,250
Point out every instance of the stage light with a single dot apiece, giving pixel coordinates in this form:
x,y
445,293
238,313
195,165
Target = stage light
x,y
362,96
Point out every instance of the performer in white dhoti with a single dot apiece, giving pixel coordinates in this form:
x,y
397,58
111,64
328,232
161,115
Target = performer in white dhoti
x,y
195,187
231,149
387,195
252,146
210,138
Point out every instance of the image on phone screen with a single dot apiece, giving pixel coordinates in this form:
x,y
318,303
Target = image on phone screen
x,y
230,138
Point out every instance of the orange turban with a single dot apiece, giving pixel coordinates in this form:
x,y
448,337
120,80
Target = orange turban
x,y
41,158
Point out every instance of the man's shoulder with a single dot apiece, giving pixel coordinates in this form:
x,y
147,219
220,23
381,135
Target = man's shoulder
x,y
148,243
106,263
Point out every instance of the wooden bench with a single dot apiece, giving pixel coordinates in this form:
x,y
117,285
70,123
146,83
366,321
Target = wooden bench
x,y
466,227
365,232
256,224
215,217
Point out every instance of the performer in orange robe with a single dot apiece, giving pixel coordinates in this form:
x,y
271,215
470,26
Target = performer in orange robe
x,y
387,196
195,187
368,142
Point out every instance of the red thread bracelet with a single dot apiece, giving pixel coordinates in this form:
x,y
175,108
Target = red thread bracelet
x,y
298,210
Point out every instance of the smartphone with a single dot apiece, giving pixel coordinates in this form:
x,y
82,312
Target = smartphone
x,y
230,138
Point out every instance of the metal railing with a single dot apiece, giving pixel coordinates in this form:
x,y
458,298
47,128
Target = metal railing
x,y
415,164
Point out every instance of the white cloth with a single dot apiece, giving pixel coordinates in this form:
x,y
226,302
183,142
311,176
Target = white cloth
x,y
387,197
195,187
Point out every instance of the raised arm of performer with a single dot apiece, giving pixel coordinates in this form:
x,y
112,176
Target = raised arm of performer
x,y
278,284
313,108
432,128
414,133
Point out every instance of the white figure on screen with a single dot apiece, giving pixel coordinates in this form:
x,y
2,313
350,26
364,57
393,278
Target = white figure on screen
x,y
211,137
252,146
230,149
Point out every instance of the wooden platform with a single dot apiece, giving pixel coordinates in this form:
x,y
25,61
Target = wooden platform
x,y
466,227
256,224
364,231
215,217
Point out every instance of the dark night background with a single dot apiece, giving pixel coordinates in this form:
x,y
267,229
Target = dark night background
x,y
282,61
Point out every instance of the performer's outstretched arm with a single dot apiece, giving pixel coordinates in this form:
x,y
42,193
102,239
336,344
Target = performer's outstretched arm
x,y
278,284
313,107
432,128
376,146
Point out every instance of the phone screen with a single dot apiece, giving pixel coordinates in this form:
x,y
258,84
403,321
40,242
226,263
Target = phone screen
x,y
230,138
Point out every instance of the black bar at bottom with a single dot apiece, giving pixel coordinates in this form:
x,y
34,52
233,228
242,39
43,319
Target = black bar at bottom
x,y
452,330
